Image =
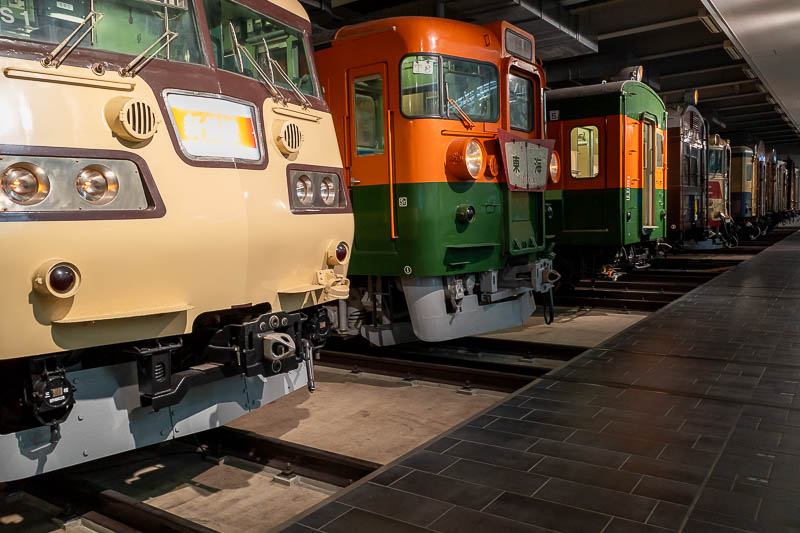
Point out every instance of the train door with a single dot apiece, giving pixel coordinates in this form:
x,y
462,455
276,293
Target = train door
x,y
368,158
585,185
649,143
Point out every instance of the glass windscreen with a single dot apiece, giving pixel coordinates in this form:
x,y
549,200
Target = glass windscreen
x,y
471,85
715,161
748,171
284,44
419,86
520,99
127,27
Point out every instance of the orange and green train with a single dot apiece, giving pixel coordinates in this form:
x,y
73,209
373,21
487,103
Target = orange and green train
x,y
441,131
608,210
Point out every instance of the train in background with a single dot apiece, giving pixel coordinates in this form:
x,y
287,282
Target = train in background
x,y
174,216
608,212
764,190
721,226
441,130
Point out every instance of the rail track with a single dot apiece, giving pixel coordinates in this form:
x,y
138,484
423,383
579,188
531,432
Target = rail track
x,y
484,363
99,508
666,280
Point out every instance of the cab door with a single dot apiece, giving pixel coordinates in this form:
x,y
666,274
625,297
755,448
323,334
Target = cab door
x,y
648,175
368,158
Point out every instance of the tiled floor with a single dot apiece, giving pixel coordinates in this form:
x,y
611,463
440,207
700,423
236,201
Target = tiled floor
x,y
687,421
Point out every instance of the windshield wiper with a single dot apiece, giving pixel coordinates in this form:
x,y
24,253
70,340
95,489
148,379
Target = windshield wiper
x,y
52,59
138,62
303,100
238,48
468,123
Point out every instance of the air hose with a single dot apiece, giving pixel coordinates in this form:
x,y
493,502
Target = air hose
x,y
549,307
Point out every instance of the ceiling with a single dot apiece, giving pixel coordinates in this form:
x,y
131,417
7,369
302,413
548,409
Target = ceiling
x,y
736,53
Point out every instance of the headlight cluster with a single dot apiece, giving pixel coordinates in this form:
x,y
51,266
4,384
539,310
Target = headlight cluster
x,y
57,184
312,190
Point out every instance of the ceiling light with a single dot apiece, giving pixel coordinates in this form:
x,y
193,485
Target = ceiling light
x,y
749,73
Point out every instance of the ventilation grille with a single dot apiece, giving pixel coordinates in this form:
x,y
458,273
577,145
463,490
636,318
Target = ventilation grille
x,y
289,138
697,124
138,120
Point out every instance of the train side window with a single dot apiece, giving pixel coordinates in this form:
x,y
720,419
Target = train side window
x,y
368,105
584,152
659,150
520,102
748,171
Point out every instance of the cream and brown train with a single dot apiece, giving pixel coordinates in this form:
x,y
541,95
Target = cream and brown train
x,y
172,217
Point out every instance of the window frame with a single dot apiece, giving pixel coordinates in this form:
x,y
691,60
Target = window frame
x,y
442,112
599,151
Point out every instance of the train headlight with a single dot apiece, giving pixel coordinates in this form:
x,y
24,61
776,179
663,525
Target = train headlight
x,y
304,190
25,183
327,191
97,184
473,156
555,167
466,159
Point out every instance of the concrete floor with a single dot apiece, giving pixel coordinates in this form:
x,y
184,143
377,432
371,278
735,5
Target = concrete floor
x,y
365,416
573,326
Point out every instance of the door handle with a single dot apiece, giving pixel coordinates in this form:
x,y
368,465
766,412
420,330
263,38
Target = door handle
x,y
354,181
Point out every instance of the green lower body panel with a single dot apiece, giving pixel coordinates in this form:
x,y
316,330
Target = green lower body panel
x,y
433,234
603,217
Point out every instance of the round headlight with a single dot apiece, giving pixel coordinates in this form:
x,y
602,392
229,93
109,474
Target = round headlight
x,y
97,184
304,190
555,167
473,157
327,191
25,183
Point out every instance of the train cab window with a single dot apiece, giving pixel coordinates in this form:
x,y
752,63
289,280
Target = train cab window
x,y
264,38
368,105
715,161
419,86
520,102
473,86
659,150
127,26
584,152
748,171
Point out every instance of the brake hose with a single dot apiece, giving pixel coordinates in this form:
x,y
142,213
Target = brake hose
x,y
548,304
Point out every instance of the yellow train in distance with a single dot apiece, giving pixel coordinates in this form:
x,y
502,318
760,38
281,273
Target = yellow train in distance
x,y
172,219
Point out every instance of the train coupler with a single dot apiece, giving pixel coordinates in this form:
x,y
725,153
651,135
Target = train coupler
x,y
49,394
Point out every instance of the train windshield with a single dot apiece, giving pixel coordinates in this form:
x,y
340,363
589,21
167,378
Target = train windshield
x,y
127,26
715,161
430,85
265,39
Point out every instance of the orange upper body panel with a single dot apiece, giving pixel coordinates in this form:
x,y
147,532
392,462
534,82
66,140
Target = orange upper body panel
x,y
418,147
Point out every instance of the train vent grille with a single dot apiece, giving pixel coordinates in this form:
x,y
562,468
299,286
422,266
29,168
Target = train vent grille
x,y
138,120
289,138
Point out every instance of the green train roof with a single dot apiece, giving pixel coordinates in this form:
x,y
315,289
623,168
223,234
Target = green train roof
x,y
630,98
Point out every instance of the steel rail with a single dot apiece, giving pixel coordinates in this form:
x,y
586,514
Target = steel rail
x,y
288,457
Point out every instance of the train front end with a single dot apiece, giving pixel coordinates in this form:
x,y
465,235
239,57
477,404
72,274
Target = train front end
x,y
442,134
173,218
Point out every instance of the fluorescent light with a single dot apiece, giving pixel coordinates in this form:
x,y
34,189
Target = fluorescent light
x,y
749,73
707,21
